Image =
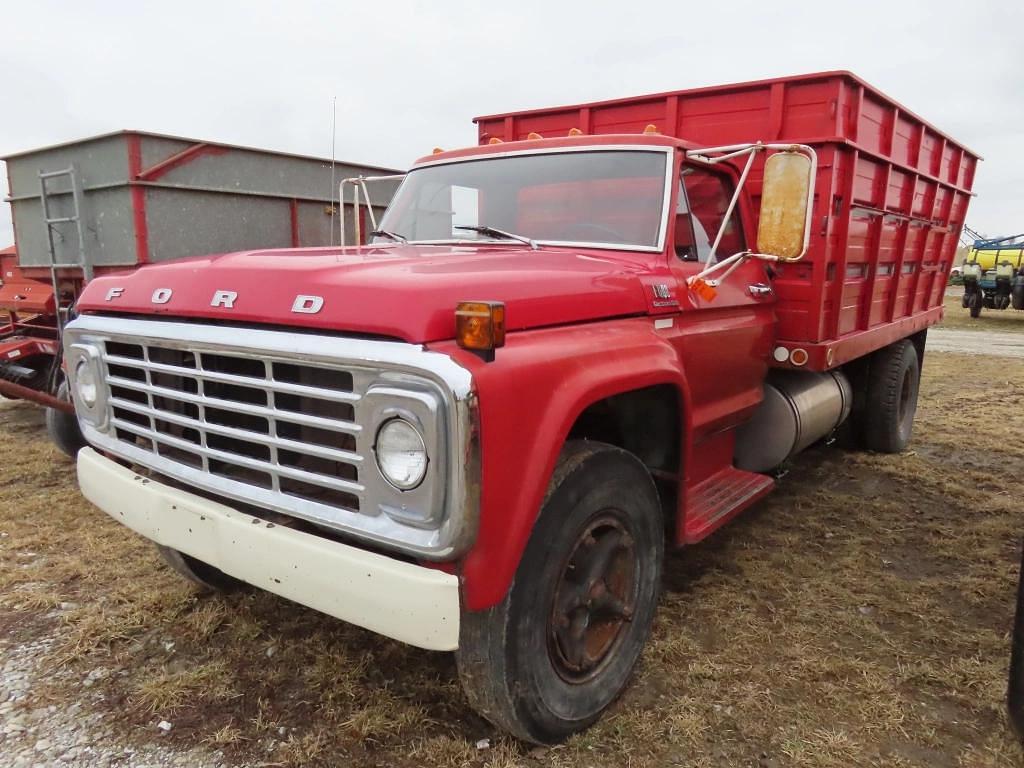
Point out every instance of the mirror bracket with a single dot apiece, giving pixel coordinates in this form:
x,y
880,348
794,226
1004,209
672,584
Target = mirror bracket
x,y
715,155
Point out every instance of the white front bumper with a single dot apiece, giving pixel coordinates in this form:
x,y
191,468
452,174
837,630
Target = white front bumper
x,y
407,602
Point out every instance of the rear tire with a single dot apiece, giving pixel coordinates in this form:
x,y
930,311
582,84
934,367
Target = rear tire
x,y
555,653
893,382
63,427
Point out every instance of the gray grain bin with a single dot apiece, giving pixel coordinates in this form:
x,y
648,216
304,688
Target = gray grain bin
x,y
146,197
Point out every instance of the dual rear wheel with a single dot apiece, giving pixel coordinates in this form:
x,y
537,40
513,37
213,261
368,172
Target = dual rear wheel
x,y
894,377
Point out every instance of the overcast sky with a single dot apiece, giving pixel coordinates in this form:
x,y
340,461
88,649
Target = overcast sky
x,y
409,76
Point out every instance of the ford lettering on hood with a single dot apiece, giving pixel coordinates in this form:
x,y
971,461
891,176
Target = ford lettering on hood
x,y
402,292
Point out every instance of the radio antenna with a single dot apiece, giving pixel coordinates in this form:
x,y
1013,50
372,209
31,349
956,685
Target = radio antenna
x,y
334,140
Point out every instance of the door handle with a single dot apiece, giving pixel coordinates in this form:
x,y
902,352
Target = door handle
x,y
759,289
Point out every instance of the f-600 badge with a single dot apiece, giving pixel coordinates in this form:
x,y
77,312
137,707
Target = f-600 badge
x,y
304,304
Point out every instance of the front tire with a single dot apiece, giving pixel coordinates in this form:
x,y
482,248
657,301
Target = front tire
x,y
202,575
556,652
63,427
893,381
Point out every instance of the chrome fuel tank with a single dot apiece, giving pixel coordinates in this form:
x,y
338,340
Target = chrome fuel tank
x,y
799,408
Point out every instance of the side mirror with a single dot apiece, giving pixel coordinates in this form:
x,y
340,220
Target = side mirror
x,y
783,226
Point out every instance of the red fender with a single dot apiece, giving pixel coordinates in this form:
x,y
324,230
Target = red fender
x,y
530,396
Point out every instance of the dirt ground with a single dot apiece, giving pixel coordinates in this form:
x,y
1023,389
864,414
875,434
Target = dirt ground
x,y
858,616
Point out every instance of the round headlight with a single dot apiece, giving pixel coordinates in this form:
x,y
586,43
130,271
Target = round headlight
x,y
85,384
401,454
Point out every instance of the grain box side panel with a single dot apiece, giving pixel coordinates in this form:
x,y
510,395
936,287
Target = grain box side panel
x,y
189,223
100,163
108,226
247,171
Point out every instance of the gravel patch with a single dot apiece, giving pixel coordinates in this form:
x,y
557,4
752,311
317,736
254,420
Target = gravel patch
x,y
34,734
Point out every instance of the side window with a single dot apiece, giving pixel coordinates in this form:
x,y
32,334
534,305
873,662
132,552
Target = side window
x,y
686,247
707,199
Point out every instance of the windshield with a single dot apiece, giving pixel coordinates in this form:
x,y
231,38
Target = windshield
x,y
600,197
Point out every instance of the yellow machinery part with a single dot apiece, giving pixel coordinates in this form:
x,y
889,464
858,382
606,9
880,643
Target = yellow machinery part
x,y
988,258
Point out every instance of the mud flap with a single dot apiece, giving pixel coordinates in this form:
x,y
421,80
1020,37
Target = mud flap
x,y
1015,689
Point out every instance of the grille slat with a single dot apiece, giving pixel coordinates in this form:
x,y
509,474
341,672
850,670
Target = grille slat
x,y
337,425
268,440
245,381
242,461
285,426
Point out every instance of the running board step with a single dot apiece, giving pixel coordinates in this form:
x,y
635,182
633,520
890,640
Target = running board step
x,y
713,502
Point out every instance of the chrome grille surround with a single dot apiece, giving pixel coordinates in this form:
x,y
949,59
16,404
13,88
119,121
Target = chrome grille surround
x,y
286,422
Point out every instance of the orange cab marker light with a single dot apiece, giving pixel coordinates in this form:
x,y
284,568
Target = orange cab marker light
x,y
495,140
532,135
702,289
480,325
437,151
650,129
575,132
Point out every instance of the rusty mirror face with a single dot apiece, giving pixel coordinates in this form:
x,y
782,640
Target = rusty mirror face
x,y
782,225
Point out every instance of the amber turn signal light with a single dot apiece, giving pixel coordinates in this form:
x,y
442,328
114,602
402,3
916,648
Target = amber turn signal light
x,y
480,325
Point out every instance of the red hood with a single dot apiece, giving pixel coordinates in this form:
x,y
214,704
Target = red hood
x,y
405,292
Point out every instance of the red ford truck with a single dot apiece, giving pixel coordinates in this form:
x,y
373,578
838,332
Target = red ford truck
x,y
592,336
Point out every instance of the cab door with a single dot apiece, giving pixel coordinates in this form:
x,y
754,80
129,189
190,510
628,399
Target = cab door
x,y
723,342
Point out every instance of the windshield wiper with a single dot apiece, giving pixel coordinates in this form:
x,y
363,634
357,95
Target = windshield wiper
x,y
390,235
485,230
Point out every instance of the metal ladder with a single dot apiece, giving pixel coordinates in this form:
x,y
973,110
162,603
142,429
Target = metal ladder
x,y
51,222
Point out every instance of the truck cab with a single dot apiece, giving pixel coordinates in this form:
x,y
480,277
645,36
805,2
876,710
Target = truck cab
x,y
478,432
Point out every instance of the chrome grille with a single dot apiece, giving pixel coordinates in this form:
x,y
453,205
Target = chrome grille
x,y
285,421
284,426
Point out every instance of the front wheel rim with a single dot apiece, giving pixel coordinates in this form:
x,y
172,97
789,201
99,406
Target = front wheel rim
x,y
595,599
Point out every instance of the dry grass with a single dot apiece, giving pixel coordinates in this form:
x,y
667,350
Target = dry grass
x,y
859,616
166,690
